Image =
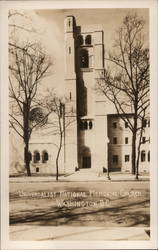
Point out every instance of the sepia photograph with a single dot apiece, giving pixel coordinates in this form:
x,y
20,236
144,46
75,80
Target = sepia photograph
x,y
79,105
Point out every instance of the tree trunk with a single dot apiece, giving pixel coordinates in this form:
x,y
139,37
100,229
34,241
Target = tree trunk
x,y
27,158
26,138
134,152
137,164
57,159
138,156
57,169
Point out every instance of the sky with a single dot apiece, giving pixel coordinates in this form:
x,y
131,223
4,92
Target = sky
x,y
50,32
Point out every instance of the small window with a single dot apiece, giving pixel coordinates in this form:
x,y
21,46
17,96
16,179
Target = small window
x,y
144,123
88,40
127,158
37,170
149,156
114,124
36,157
115,158
90,125
69,23
115,140
143,156
126,124
44,157
70,96
149,123
143,139
69,50
126,140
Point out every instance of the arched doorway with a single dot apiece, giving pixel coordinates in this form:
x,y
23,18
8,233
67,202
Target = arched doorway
x,y
86,158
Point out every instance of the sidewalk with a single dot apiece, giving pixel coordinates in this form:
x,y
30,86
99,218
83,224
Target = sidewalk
x,y
81,177
39,233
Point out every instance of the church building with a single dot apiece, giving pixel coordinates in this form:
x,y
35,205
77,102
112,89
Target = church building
x,y
97,138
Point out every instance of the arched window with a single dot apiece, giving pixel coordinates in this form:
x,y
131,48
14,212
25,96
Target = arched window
x,y
36,157
85,125
84,60
44,156
79,40
149,156
90,125
88,40
143,156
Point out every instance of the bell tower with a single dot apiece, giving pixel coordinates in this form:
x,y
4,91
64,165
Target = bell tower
x,y
84,65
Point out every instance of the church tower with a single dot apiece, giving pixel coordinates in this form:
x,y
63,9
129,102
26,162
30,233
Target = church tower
x,y
86,140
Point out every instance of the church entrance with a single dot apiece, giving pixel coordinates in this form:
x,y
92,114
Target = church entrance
x,y
86,158
86,162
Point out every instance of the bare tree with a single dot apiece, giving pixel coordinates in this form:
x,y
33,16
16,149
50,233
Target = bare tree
x,y
126,82
59,120
16,27
28,65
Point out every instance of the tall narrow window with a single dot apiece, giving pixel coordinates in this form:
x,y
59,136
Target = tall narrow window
x,y
36,157
84,60
70,96
115,158
115,140
69,50
126,140
88,40
126,158
149,156
44,156
143,156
